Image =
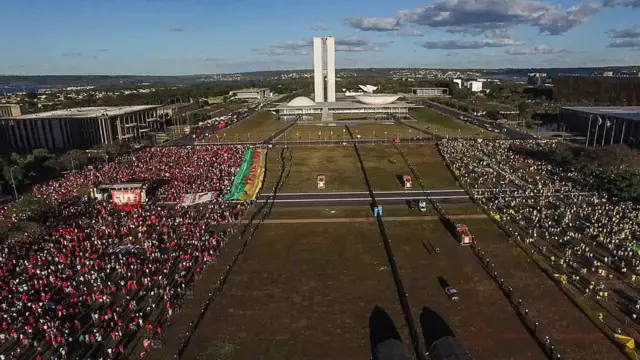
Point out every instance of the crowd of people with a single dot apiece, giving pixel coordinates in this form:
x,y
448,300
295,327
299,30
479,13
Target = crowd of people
x,y
101,276
587,236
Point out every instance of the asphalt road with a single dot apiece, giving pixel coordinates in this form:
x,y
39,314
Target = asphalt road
x,y
360,198
510,133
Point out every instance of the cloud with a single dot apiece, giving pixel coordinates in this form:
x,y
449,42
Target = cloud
x,y
102,50
537,50
373,24
628,43
319,27
72,54
470,44
176,29
213,59
622,3
477,17
628,33
452,54
302,47
409,33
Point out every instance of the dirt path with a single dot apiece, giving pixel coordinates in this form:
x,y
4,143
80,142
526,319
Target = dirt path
x,y
370,219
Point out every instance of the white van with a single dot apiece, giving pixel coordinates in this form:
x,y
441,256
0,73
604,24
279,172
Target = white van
x,y
422,205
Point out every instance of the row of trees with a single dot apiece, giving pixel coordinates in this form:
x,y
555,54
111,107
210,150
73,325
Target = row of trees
x,y
612,169
40,164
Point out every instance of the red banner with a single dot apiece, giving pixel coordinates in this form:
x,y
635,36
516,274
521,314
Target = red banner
x,y
126,200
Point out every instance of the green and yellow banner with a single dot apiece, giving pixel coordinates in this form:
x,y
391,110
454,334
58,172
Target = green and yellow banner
x,y
248,180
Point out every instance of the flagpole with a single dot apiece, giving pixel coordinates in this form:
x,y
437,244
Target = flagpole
x,y
606,125
595,137
588,131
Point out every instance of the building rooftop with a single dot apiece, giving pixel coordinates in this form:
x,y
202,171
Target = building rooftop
x,y
249,90
621,112
88,112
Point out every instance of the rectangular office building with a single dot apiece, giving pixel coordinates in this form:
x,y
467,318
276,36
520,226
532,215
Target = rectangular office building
x,y
9,110
251,93
430,91
79,128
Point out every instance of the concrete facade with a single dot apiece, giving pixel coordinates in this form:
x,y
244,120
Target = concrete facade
x,y
251,93
319,45
318,76
331,69
429,91
80,128
9,110
602,126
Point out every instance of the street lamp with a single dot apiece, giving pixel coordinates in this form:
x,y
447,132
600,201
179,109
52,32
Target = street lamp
x,y
15,192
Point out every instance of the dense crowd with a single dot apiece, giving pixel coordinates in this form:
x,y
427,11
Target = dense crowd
x,y
584,233
102,275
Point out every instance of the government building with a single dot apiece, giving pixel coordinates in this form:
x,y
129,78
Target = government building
x,y
79,128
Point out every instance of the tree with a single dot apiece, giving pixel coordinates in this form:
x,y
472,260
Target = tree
x,y
493,115
32,208
116,148
31,95
23,229
74,159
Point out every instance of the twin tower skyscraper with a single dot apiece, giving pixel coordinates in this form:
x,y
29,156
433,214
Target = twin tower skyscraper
x,y
319,45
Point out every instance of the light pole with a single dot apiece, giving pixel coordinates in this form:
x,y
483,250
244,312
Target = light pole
x,y
13,182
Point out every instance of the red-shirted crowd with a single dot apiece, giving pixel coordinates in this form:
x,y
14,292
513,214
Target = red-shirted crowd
x,y
102,275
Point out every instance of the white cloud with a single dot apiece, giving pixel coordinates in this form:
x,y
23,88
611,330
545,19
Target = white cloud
x,y
373,24
409,33
622,3
301,47
537,50
480,16
627,43
470,44
628,33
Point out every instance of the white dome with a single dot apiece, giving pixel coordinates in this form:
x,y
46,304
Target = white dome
x,y
379,99
301,101
368,88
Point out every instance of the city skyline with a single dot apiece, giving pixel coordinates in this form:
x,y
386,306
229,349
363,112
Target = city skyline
x,y
168,37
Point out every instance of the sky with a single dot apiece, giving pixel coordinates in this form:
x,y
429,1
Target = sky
x,y
181,37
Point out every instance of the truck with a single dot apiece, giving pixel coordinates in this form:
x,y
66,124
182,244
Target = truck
x,y
463,235
320,179
407,182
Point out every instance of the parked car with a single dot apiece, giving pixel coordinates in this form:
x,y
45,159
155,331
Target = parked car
x,y
422,205
452,293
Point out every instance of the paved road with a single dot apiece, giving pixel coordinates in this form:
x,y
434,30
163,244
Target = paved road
x,y
367,219
359,198
363,198
509,132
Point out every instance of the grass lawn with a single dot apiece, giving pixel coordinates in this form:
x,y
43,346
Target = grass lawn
x,y
377,131
330,131
579,339
446,125
386,176
339,165
482,319
430,166
257,127
301,292
330,212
